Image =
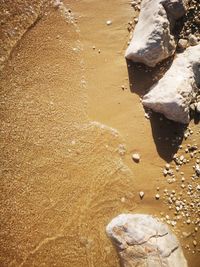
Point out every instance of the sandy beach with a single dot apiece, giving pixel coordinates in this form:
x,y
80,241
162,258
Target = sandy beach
x,y
71,118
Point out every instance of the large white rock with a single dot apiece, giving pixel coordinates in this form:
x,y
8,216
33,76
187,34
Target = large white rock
x,y
143,241
173,93
152,39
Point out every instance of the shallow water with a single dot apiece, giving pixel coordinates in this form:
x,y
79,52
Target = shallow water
x,y
65,170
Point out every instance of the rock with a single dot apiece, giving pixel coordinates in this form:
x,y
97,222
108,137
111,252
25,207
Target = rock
x,y
108,22
198,107
152,39
182,44
194,243
141,194
167,166
142,240
193,40
157,196
174,92
175,8
197,169
136,157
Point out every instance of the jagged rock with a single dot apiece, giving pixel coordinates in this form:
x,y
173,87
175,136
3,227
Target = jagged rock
x,y
143,241
152,39
174,92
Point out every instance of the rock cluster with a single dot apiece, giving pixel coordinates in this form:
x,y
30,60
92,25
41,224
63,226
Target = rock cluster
x,y
173,93
191,23
176,95
142,240
182,193
152,39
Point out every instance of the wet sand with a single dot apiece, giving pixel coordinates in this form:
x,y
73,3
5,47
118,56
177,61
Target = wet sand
x,y
65,122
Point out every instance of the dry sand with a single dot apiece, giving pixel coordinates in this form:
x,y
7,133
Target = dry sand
x,y
64,173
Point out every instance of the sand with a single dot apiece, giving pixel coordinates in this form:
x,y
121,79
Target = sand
x,y
70,123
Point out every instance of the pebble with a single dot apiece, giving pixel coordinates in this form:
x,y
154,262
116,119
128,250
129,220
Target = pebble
x,y
192,40
141,194
123,199
167,166
108,22
165,172
136,157
198,107
194,243
182,44
173,223
197,169
157,196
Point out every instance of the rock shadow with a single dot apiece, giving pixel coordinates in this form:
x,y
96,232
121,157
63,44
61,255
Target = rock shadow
x,y
167,135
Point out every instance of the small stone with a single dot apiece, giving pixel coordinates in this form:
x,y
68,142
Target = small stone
x,y
165,172
157,196
108,22
141,194
173,223
198,107
193,40
123,199
197,169
167,166
177,168
57,3
194,243
182,44
188,221
192,107
136,157
146,115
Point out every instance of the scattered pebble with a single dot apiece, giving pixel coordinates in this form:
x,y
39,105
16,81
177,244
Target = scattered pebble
x,y
195,243
182,44
108,22
136,157
157,196
141,194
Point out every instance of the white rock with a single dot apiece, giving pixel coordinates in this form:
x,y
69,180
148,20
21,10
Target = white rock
x,y
152,39
173,93
157,196
136,157
108,22
141,194
142,240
